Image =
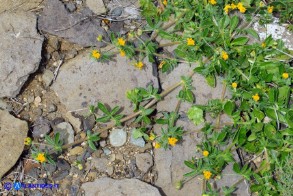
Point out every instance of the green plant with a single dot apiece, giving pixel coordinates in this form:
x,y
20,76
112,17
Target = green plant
x,y
211,36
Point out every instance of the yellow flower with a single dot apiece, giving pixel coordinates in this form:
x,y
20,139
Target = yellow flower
x,y
207,175
263,45
241,8
165,2
121,41
157,145
161,64
261,4
152,137
96,54
172,141
139,65
285,75
190,42
41,157
256,97
225,56
99,38
233,6
122,53
270,9
27,141
226,8
234,85
213,2
205,153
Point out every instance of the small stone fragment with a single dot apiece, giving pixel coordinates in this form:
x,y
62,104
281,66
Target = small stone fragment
x,y
144,162
51,108
118,137
47,77
137,142
41,127
100,164
70,7
37,101
97,6
66,132
75,151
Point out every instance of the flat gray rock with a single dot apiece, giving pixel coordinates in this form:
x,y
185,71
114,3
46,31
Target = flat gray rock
x,y
56,20
83,81
170,163
109,187
20,53
19,5
12,134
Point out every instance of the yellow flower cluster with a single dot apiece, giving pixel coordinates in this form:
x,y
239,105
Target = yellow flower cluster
x,y
263,45
157,145
161,64
122,53
41,157
27,141
121,41
205,153
190,42
207,175
139,65
225,55
96,54
256,97
165,2
285,75
172,141
270,9
213,2
234,85
152,137
233,6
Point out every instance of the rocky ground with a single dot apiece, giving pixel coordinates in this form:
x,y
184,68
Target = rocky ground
x,y
48,81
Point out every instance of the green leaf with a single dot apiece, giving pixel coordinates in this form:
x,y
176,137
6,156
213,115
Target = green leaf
x,y
253,33
236,168
229,107
190,174
92,145
211,80
115,110
289,118
195,114
270,131
189,164
234,23
103,119
239,41
57,137
137,133
189,96
103,108
49,140
251,137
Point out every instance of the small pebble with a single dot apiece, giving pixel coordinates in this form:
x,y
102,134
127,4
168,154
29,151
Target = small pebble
x,y
70,7
107,151
102,143
37,101
52,108
118,137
